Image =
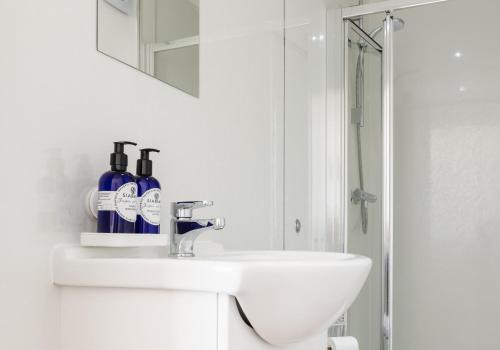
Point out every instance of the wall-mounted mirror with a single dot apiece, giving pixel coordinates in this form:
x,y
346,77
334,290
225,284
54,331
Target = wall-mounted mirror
x,y
158,37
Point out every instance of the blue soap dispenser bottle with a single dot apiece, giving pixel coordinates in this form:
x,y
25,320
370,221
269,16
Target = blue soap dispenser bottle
x,y
117,196
149,195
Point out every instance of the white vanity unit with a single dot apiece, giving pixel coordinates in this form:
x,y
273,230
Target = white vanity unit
x,y
137,299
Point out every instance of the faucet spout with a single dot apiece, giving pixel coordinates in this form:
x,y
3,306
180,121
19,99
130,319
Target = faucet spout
x,y
184,226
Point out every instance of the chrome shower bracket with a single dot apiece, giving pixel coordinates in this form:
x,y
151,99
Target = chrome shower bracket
x,y
357,116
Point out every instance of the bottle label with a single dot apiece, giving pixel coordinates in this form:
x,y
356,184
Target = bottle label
x,y
150,205
106,201
126,201
123,201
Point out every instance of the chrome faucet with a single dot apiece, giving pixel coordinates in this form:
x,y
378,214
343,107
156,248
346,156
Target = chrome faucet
x,y
185,229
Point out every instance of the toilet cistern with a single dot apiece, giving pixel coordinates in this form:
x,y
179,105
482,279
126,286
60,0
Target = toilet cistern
x,y
185,230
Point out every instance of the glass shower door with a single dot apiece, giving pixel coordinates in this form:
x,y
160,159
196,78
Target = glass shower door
x,y
363,120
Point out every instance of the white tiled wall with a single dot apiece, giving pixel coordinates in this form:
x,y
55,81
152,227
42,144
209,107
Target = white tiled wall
x,y
62,104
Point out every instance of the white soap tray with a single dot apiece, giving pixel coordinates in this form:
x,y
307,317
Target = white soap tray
x,y
116,240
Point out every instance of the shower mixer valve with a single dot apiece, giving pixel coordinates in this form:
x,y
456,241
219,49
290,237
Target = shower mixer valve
x,y
359,195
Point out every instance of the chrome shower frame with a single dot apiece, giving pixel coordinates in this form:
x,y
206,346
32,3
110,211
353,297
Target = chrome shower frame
x,y
387,180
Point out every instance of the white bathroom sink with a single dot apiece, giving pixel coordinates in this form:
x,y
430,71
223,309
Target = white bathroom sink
x,y
287,296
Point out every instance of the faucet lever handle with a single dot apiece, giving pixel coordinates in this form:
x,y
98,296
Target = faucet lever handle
x,y
185,209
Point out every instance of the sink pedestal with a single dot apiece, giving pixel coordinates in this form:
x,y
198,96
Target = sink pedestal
x,y
155,319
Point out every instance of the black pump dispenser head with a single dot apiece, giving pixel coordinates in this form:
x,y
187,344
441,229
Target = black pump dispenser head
x,y
144,164
118,159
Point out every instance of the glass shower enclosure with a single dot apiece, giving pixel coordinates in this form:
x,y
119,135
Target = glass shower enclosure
x,y
367,120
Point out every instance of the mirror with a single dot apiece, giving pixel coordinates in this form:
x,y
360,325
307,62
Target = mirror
x,y
157,37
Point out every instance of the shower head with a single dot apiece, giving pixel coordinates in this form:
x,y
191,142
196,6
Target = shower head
x,y
399,24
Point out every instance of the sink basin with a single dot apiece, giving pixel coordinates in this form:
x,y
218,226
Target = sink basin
x,y
287,296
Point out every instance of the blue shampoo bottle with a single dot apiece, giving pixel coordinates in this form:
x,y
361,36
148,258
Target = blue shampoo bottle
x,y
117,197
149,195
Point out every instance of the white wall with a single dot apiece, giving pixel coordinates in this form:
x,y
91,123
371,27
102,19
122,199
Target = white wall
x,y
447,148
62,104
